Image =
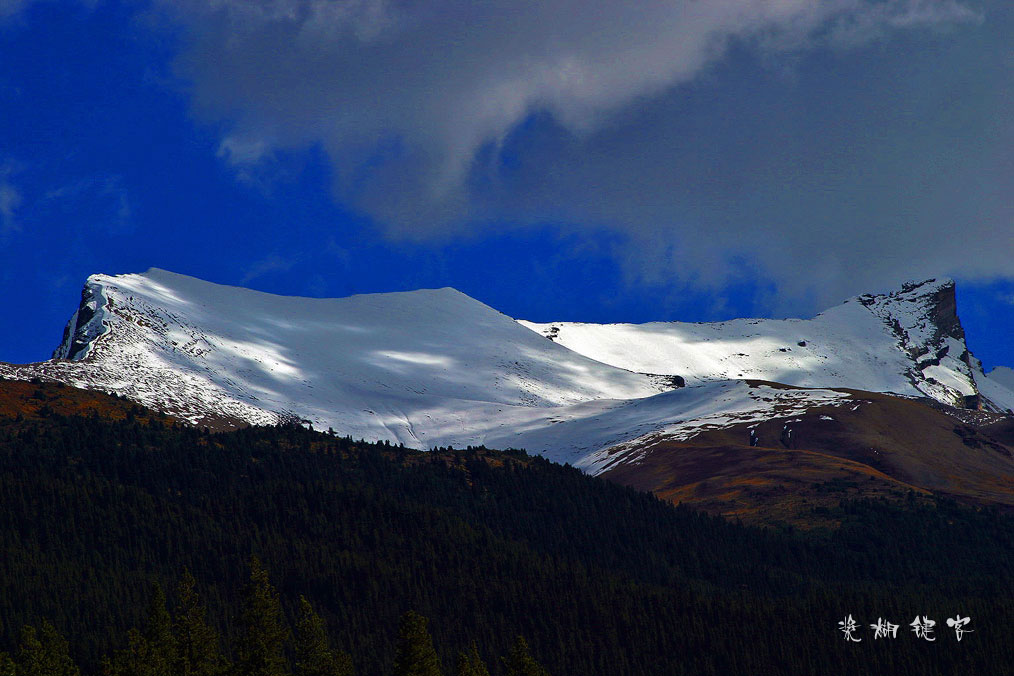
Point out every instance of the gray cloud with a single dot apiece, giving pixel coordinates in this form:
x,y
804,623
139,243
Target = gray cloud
x,y
818,143
439,80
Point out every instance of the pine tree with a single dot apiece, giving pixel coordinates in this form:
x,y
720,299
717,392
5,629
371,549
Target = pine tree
x,y
45,653
314,657
197,643
151,651
261,643
519,662
470,664
415,654
7,665
158,634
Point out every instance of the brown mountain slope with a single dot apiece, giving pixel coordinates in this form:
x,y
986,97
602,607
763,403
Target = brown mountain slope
x,y
877,445
41,399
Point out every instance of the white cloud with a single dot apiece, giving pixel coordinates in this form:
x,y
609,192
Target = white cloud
x,y
240,152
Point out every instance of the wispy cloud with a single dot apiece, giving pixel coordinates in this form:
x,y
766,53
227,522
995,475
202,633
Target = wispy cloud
x,y
10,200
240,152
878,20
9,8
103,198
256,162
272,263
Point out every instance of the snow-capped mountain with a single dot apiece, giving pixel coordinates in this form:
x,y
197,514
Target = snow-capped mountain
x,y
436,367
908,342
409,367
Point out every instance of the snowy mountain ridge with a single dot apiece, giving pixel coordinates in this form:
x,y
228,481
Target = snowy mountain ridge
x,y
436,367
907,342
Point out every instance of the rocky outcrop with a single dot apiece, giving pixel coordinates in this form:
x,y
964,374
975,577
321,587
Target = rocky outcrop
x,y
924,318
85,326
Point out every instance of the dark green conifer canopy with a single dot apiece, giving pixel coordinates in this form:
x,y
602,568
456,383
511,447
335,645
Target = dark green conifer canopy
x,y
415,654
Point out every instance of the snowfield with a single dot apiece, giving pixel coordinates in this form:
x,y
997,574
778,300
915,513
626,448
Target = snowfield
x,y
886,343
436,367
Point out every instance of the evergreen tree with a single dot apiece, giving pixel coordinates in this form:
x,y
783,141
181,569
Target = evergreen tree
x,y
519,662
261,643
314,657
415,654
151,651
158,634
45,653
131,661
197,643
7,665
470,664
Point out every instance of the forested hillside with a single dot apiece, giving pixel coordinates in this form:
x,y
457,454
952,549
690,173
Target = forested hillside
x,y
488,545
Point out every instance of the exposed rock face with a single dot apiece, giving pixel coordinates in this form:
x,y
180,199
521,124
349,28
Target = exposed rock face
x,y
924,318
85,326
944,312
932,313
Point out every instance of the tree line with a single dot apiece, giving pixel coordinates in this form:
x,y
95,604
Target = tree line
x,y
185,643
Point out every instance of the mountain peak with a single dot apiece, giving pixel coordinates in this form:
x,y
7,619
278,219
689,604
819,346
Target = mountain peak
x,y
422,367
135,294
923,315
86,324
928,285
912,291
908,341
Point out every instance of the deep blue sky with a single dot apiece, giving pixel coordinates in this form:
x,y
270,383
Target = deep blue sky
x,y
784,171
